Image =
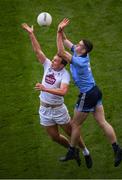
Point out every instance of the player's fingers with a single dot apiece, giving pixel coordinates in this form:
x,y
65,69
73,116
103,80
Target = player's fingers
x,y
63,20
37,84
37,87
67,21
25,25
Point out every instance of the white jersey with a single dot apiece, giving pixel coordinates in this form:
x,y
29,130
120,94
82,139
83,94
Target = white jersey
x,y
52,79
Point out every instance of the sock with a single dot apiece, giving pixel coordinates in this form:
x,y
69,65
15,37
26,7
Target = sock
x,y
115,146
85,152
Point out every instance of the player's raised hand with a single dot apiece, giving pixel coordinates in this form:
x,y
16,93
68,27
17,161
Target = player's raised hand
x,y
27,28
63,24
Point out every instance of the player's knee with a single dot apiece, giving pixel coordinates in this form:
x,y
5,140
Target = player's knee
x,y
76,125
103,124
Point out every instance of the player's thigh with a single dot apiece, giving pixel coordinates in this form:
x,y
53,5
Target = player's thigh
x,y
79,117
99,114
67,128
52,131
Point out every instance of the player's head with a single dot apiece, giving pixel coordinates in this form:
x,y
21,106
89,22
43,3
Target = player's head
x,y
58,62
84,47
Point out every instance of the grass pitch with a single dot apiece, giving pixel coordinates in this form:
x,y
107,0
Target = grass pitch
x,y
25,149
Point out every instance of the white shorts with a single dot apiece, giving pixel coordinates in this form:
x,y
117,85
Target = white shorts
x,y
50,116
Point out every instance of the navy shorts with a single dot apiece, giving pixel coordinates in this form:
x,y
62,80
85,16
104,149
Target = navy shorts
x,y
88,101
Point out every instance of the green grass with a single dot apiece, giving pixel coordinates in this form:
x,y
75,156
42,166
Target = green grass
x,y
25,149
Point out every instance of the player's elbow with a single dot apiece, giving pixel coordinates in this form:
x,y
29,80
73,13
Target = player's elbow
x,y
64,91
61,53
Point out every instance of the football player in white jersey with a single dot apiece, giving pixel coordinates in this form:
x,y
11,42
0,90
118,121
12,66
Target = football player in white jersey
x,y
54,86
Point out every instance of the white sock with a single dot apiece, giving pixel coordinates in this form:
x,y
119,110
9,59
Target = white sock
x,y
85,151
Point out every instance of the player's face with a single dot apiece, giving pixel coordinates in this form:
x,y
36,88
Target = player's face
x,y
80,48
56,63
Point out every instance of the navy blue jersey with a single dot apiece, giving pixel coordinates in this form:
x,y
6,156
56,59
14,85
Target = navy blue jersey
x,y
81,71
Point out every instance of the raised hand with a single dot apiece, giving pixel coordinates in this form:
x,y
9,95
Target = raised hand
x,y
63,24
27,28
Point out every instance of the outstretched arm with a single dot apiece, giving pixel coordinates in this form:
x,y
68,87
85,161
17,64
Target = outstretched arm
x,y
61,26
35,44
61,51
67,43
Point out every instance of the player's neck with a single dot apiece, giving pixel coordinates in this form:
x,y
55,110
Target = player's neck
x,y
81,54
57,69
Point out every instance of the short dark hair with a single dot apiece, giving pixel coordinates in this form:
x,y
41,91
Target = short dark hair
x,y
64,62
88,45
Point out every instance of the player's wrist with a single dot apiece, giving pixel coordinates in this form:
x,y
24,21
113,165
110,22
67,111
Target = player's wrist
x,y
31,33
43,88
59,30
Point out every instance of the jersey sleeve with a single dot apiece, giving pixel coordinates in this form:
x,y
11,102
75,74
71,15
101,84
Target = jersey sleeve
x,y
46,64
73,48
66,78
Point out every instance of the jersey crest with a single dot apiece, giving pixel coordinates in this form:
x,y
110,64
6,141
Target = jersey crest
x,y
50,79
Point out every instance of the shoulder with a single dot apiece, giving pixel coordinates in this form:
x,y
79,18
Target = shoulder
x,y
79,60
47,63
65,71
65,76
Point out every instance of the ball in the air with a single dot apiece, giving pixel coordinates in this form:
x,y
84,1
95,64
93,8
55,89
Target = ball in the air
x,y
44,19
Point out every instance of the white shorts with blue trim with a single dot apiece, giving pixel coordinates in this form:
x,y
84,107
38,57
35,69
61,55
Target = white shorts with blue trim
x,y
50,116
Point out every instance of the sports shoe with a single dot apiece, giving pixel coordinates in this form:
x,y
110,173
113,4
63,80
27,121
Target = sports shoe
x,y
72,154
88,161
118,157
